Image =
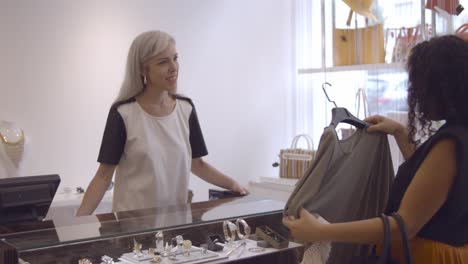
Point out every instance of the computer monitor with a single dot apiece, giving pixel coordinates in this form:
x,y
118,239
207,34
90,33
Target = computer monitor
x,y
26,199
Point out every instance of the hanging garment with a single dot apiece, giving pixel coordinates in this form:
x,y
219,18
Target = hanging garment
x,y
349,180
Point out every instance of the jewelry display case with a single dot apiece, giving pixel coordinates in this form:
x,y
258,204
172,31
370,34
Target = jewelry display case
x,y
115,237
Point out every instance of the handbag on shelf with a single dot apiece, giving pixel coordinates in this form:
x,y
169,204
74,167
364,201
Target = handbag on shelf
x,y
358,46
353,46
462,32
385,254
406,38
452,7
295,161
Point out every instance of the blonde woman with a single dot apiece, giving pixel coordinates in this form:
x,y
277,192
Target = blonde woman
x,y
152,139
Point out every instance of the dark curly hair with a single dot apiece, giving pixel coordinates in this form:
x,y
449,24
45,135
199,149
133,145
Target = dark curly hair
x,y
437,84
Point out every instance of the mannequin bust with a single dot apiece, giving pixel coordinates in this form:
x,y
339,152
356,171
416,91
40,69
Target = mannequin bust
x,y
11,149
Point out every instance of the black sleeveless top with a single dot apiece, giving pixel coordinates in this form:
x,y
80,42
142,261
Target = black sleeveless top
x,y
450,224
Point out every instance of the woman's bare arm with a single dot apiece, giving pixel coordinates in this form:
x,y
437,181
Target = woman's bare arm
x,y
96,189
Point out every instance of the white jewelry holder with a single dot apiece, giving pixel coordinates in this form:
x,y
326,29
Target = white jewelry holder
x,y
230,231
247,230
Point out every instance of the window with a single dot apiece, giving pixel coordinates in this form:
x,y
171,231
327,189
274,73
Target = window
x,y
385,83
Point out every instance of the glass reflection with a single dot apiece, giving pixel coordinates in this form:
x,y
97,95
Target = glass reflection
x,y
88,228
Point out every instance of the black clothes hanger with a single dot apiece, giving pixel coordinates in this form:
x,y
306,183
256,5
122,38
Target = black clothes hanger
x,y
342,115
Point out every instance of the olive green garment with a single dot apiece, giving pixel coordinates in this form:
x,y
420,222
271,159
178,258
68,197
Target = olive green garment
x,y
349,180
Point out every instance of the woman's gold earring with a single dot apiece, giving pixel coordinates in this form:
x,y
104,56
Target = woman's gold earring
x,y
145,81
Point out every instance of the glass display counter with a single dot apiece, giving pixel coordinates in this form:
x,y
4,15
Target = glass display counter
x,y
115,234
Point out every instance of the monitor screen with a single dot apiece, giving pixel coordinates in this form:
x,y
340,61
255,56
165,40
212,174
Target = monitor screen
x,y
25,199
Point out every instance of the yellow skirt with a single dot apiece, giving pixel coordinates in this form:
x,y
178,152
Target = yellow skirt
x,y
426,251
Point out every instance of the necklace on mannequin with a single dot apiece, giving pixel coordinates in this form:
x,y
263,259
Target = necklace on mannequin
x,y
11,135
12,143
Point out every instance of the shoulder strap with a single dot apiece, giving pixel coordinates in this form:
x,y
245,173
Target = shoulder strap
x,y
404,236
387,240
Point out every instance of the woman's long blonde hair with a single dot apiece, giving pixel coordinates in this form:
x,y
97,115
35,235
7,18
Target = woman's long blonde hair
x,y
144,46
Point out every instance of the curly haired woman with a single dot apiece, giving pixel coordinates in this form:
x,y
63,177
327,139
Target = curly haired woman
x,y
430,189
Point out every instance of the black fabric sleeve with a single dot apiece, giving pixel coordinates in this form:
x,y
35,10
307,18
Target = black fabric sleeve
x,y
113,140
197,143
457,195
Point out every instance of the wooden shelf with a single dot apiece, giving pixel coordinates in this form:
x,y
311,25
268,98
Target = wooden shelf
x,y
382,67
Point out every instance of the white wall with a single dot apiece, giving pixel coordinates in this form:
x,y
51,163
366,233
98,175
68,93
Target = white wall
x,y
61,64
